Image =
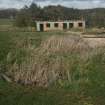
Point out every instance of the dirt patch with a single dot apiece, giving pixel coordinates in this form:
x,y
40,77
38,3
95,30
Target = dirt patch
x,y
95,42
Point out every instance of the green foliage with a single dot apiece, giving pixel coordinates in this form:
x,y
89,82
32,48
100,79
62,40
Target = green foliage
x,y
10,41
6,22
86,87
23,18
26,16
20,95
93,17
53,13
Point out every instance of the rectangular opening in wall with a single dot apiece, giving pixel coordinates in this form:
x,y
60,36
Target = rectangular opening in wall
x,y
48,25
41,27
64,25
56,25
80,24
71,25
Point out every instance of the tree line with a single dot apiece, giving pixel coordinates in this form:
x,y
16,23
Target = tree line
x,y
8,13
27,15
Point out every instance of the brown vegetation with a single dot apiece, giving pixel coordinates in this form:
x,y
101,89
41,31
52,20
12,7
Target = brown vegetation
x,y
54,60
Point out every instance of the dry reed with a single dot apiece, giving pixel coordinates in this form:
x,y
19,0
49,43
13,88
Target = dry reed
x,y
53,60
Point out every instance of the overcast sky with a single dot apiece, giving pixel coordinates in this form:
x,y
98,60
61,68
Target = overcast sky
x,y
81,4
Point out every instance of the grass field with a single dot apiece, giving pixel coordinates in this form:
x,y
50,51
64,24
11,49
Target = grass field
x,y
86,87
12,94
91,93
8,39
6,22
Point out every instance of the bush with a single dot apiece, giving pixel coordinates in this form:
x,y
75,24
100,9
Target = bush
x,y
23,18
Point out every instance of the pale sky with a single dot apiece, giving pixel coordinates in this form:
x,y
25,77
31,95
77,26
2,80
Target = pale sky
x,y
81,4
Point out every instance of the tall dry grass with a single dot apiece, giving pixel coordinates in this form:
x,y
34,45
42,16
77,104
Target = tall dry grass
x,y
57,58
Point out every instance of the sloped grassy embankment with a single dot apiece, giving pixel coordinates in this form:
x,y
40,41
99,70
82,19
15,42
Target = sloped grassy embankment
x,y
73,71
59,60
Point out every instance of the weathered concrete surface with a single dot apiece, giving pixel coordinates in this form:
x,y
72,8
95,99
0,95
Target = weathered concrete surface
x,y
92,40
60,25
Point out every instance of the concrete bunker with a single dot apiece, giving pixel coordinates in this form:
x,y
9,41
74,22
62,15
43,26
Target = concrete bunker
x,y
58,25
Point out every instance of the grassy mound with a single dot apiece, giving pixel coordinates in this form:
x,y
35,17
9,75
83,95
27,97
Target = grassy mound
x,y
55,60
41,59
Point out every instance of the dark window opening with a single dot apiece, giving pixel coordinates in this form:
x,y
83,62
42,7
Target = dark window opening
x,y
64,25
48,25
80,24
71,25
56,25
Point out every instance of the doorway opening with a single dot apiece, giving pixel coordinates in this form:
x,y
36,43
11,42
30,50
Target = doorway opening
x,y
64,25
41,27
71,25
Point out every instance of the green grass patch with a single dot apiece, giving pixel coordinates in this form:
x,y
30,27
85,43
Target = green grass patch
x,y
79,92
13,94
6,22
10,40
